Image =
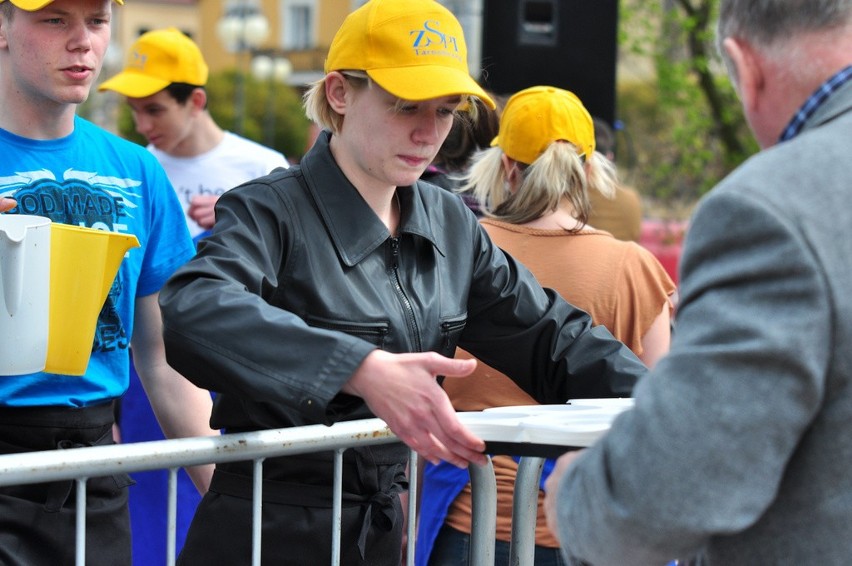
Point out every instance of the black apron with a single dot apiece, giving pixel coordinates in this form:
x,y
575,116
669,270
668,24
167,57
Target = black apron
x,y
38,521
297,511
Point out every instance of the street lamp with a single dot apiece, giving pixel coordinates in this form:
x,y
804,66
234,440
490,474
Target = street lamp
x,y
242,29
275,71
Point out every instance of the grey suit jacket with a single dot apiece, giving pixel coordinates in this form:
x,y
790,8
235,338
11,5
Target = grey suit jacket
x,y
740,445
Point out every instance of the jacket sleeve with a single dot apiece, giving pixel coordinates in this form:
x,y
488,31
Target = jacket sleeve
x,y
547,346
716,422
222,331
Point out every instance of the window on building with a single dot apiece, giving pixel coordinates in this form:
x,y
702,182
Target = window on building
x,y
299,22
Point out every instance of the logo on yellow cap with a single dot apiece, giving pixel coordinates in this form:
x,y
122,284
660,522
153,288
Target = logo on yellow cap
x,y
429,40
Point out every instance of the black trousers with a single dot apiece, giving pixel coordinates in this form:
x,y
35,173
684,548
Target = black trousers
x,y
38,521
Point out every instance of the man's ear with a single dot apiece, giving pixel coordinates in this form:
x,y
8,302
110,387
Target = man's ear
x,y
336,88
749,76
198,99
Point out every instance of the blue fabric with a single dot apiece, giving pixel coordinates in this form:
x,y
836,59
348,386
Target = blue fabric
x,y
197,239
95,179
149,497
441,485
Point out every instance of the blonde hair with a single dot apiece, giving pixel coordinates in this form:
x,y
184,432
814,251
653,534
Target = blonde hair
x,y
559,172
319,111
316,105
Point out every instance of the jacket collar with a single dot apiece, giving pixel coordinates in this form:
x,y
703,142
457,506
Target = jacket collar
x,y
354,228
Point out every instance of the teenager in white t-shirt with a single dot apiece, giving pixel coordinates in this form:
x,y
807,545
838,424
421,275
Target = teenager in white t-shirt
x,y
163,81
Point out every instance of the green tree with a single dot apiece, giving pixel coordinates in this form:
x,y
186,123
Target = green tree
x,y
685,122
273,112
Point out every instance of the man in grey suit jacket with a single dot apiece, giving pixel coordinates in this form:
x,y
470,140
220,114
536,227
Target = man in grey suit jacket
x,y
739,449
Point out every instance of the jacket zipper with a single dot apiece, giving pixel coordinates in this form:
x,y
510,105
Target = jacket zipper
x,y
352,329
406,304
447,328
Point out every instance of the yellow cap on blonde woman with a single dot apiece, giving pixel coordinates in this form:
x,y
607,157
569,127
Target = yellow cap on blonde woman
x,y
538,116
414,49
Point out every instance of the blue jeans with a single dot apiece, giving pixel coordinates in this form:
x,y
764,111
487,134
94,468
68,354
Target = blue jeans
x,y
452,548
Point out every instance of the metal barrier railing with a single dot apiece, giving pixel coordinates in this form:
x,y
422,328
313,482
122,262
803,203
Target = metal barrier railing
x,y
83,463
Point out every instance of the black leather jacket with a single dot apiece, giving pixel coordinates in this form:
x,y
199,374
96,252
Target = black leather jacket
x,y
300,280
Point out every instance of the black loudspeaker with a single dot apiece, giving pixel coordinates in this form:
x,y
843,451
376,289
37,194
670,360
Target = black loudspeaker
x,y
570,44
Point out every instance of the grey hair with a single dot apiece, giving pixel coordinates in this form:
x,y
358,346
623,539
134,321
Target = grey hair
x,y
767,22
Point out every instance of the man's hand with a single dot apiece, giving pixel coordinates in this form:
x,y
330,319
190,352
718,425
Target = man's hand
x,y
551,489
7,204
201,210
402,390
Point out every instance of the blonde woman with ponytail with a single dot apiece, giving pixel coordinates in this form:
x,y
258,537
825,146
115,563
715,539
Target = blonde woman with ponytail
x,y
533,188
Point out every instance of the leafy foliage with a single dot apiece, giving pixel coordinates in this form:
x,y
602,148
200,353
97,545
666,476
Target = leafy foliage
x,y
684,121
273,112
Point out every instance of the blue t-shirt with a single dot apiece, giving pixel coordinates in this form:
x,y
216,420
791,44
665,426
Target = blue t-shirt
x,y
95,179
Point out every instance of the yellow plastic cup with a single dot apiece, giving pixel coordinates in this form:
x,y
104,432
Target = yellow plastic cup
x,y
83,266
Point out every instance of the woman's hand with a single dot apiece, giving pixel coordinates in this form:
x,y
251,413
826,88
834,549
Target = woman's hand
x,y
402,390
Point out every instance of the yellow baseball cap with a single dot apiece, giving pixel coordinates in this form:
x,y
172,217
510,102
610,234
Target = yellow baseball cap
x,y
414,49
538,116
158,59
33,5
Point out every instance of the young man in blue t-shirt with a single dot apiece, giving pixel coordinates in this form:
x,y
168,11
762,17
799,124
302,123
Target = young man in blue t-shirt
x,y
55,164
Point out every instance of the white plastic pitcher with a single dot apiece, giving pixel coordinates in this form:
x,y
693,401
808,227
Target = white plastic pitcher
x,y
24,293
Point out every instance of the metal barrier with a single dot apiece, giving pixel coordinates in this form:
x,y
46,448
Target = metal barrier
x,y
83,463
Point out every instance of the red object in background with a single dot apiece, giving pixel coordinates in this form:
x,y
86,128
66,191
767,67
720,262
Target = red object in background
x,y
664,239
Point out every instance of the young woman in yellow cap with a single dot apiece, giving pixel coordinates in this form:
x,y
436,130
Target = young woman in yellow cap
x,y
533,186
338,289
